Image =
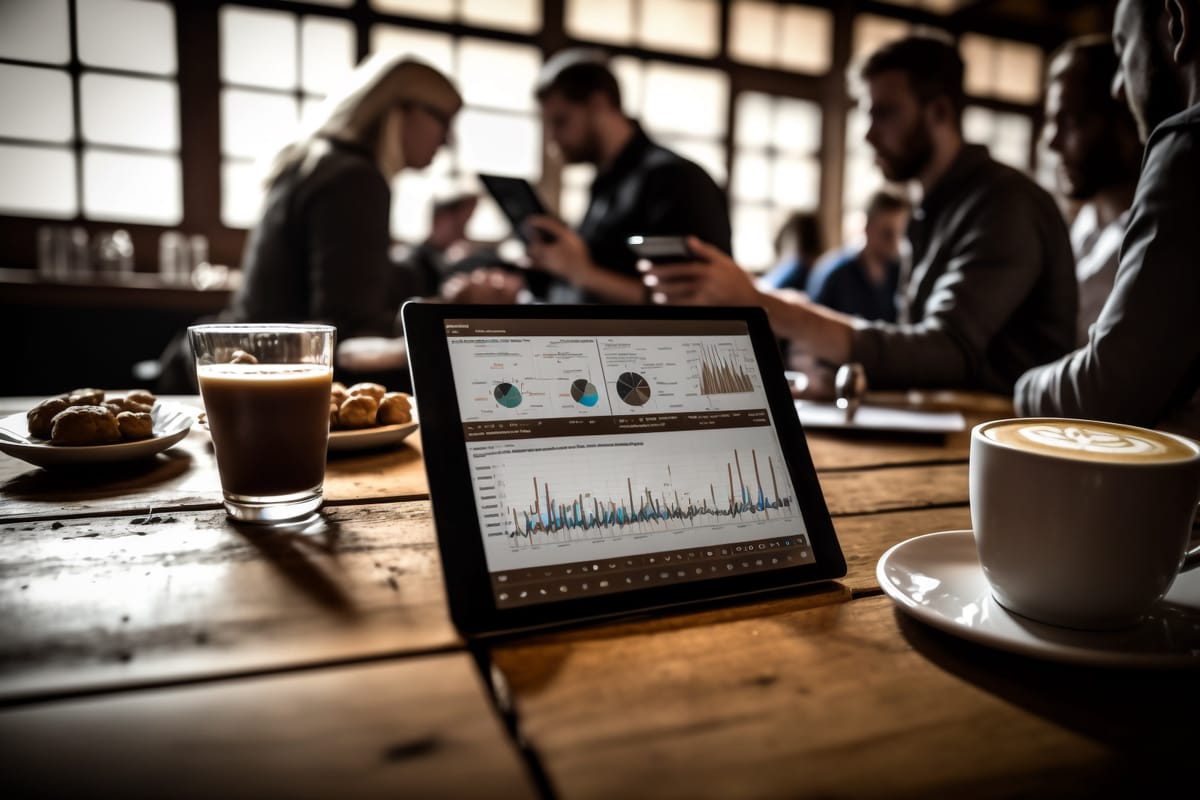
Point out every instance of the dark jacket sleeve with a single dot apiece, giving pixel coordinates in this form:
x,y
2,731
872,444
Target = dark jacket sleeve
x,y
1142,355
346,223
1006,266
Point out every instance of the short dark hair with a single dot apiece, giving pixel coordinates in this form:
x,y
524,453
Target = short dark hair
x,y
801,229
885,201
932,64
1095,61
579,75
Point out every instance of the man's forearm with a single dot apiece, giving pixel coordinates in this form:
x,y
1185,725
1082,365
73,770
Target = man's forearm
x,y
612,286
819,331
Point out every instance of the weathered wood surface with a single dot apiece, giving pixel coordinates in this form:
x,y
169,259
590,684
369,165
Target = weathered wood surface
x,y
894,488
185,476
416,727
831,700
118,601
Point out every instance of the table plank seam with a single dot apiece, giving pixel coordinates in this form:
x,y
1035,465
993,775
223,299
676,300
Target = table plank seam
x,y
932,462
36,697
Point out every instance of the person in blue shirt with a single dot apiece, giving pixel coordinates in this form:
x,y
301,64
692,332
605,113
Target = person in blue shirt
x,y
798,244
862,280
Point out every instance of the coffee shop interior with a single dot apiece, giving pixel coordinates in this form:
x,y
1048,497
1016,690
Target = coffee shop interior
x,y
699,532
131,132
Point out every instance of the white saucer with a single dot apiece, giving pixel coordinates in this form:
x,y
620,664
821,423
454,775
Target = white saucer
x,y
937,579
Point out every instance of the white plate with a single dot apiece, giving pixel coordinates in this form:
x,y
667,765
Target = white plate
x,y
171,423
937,579
366,438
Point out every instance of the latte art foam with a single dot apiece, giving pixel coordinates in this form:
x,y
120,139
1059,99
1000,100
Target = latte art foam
x,y
1090,441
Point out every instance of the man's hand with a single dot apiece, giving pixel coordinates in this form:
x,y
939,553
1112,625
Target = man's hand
x,y
558,250
712,279
486,285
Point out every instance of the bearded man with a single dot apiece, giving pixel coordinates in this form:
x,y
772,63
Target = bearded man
x,y
991,288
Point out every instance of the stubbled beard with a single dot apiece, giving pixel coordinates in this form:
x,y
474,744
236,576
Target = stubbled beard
x,y
914,156
588,151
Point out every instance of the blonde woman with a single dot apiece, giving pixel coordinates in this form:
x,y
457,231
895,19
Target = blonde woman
x,y
320,248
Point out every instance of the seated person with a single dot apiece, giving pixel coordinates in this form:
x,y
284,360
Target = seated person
x,y
1141,363
862,280
640,187
798,245
1099,157
992,288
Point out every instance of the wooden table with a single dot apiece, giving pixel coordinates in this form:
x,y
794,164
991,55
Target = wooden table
x,y
151,647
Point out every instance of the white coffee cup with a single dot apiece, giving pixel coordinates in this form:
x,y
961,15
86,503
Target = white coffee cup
x,y
1082,524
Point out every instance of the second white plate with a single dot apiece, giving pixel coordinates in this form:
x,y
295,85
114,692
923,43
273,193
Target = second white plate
x,y
367,438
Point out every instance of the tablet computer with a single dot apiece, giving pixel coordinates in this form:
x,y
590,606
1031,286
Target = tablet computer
x,y
517,200
587,462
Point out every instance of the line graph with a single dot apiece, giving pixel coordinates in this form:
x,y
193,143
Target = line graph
x,y
648,510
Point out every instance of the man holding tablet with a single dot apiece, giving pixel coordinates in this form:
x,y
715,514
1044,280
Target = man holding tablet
x,y
641,188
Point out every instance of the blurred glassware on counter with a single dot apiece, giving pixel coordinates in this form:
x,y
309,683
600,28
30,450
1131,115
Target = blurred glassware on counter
x,y
173,259
114,254
62,252
210,276
198,244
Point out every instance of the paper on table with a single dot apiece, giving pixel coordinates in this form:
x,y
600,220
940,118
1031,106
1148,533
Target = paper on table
x,y
883,418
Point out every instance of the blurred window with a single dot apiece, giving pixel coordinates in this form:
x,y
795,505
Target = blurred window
x,y
791,37
66,135
1002,69
1009,137
776,171
274,67
522,16
690,27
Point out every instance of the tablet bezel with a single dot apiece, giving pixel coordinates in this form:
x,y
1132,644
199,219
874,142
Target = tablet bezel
x,y
464,565
524,188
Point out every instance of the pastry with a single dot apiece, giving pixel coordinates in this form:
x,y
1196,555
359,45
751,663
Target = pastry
x,y
394,409
358,411
40,417
374,390
83,425
135,425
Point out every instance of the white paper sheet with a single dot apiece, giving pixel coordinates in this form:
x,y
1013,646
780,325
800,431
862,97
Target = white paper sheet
x,y
881,418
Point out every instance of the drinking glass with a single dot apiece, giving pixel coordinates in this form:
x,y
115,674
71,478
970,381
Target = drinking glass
x,y
266,395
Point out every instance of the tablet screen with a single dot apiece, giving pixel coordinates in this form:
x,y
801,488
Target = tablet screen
x,y
613,455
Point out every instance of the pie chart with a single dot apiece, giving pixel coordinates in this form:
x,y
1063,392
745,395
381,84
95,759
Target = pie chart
x,y
507,395
633,389
584,393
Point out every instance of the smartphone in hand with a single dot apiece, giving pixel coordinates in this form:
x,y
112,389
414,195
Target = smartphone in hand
x,y
661,249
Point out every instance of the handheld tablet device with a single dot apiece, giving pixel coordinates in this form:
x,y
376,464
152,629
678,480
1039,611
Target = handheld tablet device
x,y
517,200
592,461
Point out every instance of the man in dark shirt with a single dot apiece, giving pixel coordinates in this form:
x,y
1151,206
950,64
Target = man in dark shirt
x,y
862,281
991,291
1141,363
640,187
